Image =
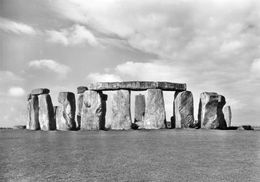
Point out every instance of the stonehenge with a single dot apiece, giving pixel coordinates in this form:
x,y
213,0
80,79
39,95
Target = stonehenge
x,y
107,105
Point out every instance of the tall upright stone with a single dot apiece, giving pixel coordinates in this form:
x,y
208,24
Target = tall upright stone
x,y
139,108
93,111
120,115
46,113
228,115
210,113
184,110
65,113
155,116
33,113
80,91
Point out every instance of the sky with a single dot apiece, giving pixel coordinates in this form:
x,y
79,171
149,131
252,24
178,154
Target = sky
x,y
211,45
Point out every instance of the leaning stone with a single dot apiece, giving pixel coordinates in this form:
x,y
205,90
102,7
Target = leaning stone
x,y
210,111
228,115
33,113
155,116
81,89
121,116
46,113
93,111
184,117
65,114
39,91
139,108
29,97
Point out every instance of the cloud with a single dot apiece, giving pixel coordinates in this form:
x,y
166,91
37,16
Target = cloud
x,y
99,77
16,91
255,68
51,65
74,35
16,27
8,76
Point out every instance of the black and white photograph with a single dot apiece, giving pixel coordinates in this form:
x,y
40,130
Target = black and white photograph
x,y
130,90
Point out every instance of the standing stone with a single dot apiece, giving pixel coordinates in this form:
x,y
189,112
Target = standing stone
x,y
46,113
80,91
139,108
210,111
155,115
184,109
33,113
121,115
93,111
65,114
228,115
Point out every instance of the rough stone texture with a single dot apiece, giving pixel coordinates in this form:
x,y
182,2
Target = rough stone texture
x,y
210,113
81,89
33,113
29,96
155,116
93,111
184,110
136,85
139,108
65,114
46,113
79,109
39,91
120,115
228,115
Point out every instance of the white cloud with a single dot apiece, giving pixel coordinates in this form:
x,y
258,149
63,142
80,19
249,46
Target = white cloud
x,y
16,91
16,27
99,77
8,76
51,65
74,35
255,68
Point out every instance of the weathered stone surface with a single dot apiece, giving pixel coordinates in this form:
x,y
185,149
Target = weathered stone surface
x,y
139,108
155,116
137,85
210,113
184,110
79,109
39,91
46,113
65,114
120,115
228,115
33,113
81,89
93,111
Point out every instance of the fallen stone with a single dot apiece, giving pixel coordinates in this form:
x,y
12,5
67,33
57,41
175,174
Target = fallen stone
x,y
155,116
139,108
184,117
19,127
136,85
33,113
65,114
46,113
228,115
245,127
81,89
120,115
210,113
39,91
93,111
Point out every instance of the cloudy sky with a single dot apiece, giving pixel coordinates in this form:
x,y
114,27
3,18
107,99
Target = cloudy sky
x,y
212,45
